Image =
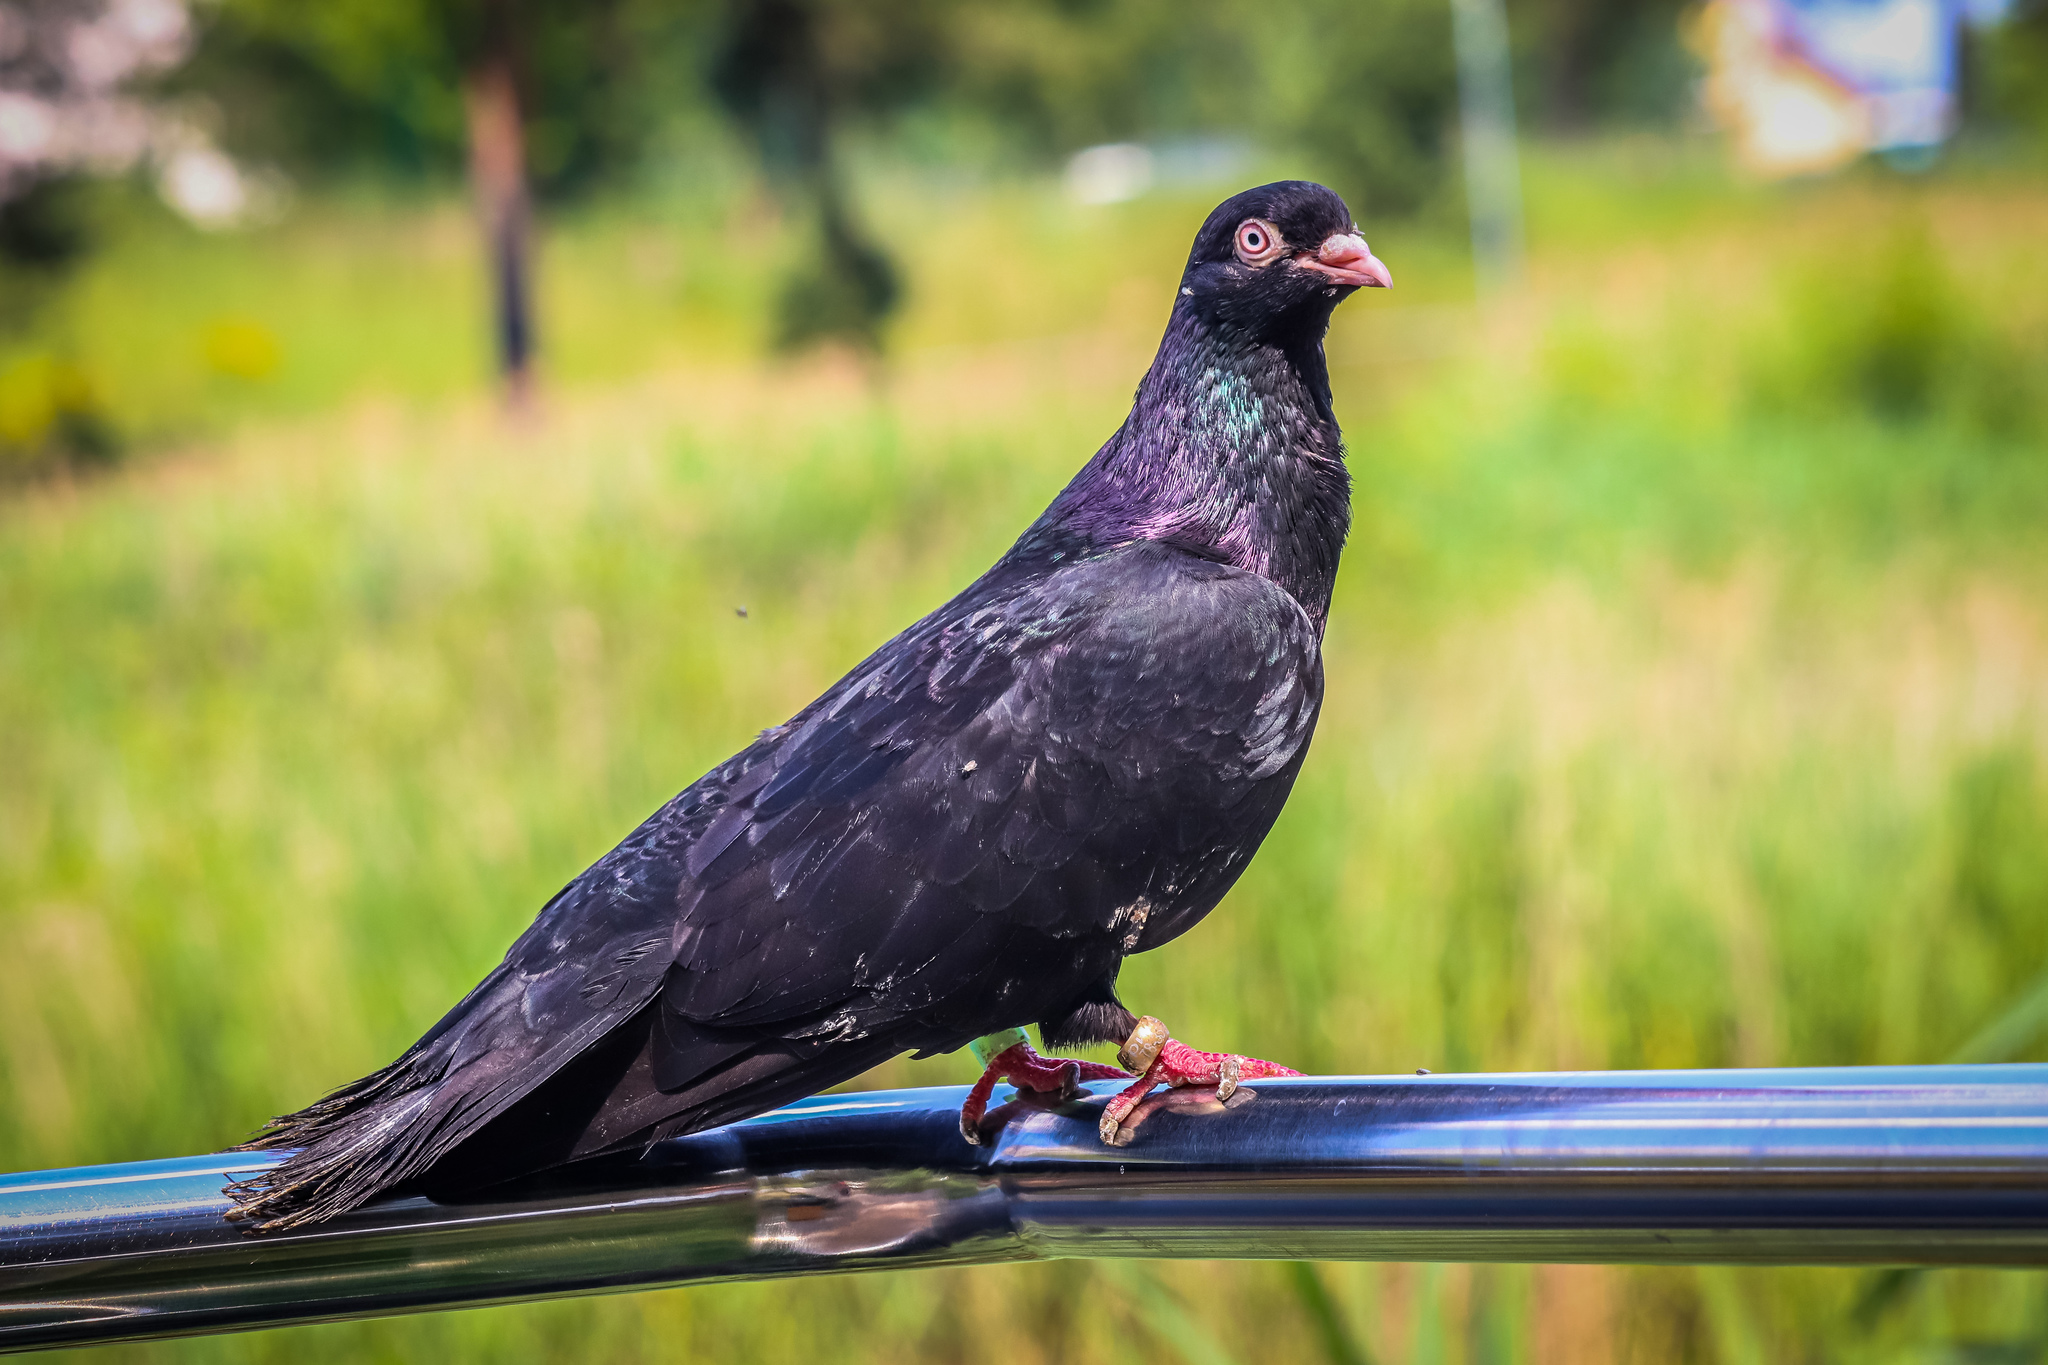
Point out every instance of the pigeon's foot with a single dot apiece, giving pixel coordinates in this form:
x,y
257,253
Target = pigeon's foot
x,y
1152,1054
1008,1056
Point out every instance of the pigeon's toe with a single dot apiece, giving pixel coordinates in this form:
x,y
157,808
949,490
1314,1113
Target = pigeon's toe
x,y
1167,1061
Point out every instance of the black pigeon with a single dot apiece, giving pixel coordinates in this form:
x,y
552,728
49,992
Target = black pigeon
x,y
1069,762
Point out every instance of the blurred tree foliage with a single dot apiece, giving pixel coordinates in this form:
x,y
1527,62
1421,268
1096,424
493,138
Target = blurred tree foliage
x,y
611,89
1366,89
51,412
2011,85
43,231
377,85
1586,62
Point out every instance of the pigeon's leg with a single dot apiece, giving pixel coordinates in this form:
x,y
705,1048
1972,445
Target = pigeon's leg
x,y
1009,1056
1156,1059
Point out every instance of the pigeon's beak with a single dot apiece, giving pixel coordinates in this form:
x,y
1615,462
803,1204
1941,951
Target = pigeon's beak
x,y
1346,259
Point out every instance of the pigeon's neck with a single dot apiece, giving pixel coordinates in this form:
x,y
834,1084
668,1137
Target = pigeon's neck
x,y
1230,451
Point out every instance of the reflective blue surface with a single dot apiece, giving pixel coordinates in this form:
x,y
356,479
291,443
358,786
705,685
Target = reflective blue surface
x,y
1902,1165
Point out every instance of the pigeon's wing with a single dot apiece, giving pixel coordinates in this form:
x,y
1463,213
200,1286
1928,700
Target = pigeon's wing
x,y
962,833
965,833
976,829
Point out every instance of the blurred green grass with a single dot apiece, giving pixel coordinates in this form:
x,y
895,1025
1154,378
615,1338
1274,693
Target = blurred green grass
x,y
1688,691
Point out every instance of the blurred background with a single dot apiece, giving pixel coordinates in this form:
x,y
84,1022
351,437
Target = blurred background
x,y
432,432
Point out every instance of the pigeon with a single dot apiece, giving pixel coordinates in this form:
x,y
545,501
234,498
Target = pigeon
x,y
1069,762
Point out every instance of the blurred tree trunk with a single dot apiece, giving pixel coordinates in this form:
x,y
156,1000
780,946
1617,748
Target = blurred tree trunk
x,y
497,171
776,75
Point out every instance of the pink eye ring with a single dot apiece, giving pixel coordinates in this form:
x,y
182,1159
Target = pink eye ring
x,y
1257,241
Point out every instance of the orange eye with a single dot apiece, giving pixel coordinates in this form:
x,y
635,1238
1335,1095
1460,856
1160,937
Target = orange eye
x,y
1257,241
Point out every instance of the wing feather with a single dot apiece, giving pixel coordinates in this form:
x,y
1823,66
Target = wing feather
x,y
951,840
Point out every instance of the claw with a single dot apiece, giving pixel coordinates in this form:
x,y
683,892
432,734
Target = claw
x,y
1120,1109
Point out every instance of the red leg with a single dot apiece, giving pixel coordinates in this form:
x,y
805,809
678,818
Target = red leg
x,y
1026,1070
1126,1100
1059,1078
975,1105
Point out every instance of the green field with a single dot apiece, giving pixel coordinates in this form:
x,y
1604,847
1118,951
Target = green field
x,y
1688,690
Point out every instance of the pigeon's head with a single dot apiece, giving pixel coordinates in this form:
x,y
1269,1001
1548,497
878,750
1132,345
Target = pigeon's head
x,y
1273,261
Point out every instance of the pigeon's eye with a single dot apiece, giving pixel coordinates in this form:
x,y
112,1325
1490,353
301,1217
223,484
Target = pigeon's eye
x,y
1257,241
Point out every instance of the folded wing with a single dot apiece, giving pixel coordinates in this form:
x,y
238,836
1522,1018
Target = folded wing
x,y
962,834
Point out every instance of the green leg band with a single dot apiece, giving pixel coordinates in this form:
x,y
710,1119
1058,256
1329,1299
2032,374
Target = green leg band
x,y
988,1048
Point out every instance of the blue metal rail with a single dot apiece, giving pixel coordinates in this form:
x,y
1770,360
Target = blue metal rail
x,y
1892,1166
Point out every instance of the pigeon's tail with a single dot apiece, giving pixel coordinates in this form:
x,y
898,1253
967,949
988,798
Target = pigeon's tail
x,y
389,1128
448,1118
357,1142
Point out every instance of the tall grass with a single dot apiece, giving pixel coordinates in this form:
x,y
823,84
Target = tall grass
x,y
1688,707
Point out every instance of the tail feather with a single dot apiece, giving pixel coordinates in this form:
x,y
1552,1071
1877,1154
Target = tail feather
x,y
446,1129
607,1101
344,1158
387,1128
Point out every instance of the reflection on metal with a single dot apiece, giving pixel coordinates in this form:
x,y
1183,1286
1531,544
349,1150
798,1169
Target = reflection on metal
x,y
1896,1166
